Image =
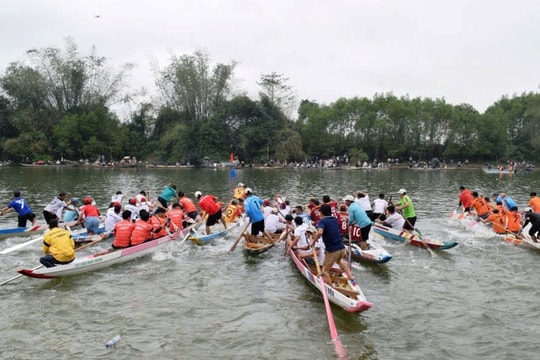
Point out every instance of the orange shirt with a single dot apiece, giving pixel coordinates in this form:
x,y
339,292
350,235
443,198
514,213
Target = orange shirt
x,y
514,221
535,204
122,233
232,213
187,204
480,205
498,222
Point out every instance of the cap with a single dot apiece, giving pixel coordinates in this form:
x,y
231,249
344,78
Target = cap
x,y
87,200
248,191
348,198
402,191
133,201
527,209
116,203
266,202
343,207
143,199
74,201
241,184
198,194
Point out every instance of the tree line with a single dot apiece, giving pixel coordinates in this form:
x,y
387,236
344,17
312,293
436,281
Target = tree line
x,y
57,103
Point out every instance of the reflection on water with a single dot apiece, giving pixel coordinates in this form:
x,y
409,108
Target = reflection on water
x,y
201,302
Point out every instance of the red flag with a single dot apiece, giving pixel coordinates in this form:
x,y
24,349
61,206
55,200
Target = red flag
x,y
231,157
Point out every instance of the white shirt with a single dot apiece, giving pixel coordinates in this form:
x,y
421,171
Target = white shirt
x,y
395,221
111,219
267,210
272,223
134,211
364,203
300,231
55,206
117,198
379,206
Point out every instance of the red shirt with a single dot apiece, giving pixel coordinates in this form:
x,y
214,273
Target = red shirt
x,y
90,210
208,204
465,198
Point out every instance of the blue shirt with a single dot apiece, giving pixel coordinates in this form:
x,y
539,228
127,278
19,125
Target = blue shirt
x,y
20,206
331,236
508,202
168,193
358,215
252,206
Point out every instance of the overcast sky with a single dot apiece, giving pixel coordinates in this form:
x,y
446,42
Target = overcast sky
x,y
465,51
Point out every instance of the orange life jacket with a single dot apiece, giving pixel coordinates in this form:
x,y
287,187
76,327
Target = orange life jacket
x,y
141,232
177,218
122,233
157,226
188,205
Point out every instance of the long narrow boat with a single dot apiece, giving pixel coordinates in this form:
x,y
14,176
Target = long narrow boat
x,y
375,254
470,223
498,171
30,230
103,259
412,238
342,293
201,238
256,244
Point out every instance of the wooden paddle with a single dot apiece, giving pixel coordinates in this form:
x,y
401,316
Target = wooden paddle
x,y
350,247
103,237
239,237
341,352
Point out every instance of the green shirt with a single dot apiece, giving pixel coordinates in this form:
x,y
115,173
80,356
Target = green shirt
x,y
408,212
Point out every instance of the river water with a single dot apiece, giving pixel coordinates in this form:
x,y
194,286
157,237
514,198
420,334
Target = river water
x,y
478,300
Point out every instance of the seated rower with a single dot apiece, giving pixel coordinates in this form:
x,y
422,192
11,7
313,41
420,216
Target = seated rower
x,y
273,224
159,223
143,229
58,246
123,231
497,220
393,219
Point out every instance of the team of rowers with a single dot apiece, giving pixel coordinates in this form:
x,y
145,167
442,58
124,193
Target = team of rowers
x,y
501,212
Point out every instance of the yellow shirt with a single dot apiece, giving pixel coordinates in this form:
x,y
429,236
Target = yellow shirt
x,y
59,244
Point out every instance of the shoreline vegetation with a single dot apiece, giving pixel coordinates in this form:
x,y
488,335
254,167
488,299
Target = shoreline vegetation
x,y
60,104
